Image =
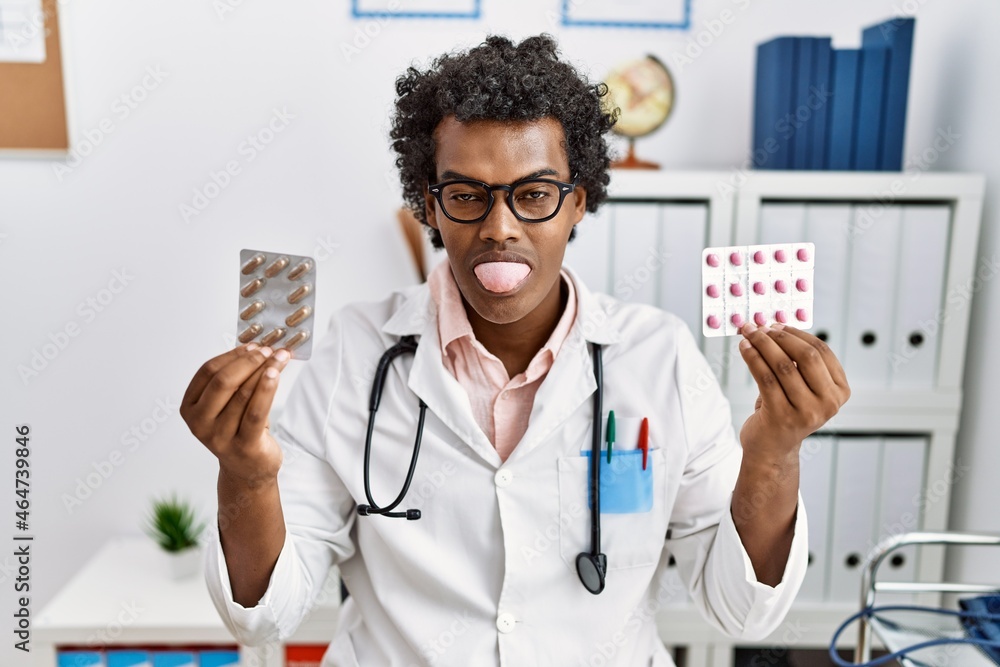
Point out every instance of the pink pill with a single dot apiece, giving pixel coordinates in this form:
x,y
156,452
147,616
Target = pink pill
x,y
780,286
802,254
758,288
713,291
758,257
713,322
802,285
779,256
735,259
736,319
780,316
759,319
713,260
736,289
802,315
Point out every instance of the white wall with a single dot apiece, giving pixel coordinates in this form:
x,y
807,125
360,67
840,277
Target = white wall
x,y
326,181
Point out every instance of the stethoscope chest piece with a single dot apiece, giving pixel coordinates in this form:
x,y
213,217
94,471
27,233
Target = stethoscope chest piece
x,y
591,569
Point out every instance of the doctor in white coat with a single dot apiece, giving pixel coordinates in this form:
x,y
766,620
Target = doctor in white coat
x,y
487,575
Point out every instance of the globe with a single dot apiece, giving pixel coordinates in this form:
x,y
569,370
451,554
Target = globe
x,y
643,91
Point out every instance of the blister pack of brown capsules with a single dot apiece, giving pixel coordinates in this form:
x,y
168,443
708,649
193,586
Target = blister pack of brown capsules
x,y
277,301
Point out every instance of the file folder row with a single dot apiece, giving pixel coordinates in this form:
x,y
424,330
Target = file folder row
x,y
879,284
645,253
857,491
130,657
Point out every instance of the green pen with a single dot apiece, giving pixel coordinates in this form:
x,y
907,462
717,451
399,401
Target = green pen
x,y
611,433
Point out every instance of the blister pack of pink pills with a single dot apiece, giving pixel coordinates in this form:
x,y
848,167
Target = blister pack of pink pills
x,y
277,301
763,284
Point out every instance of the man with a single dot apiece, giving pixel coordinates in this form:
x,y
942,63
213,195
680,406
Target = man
x,y
501,153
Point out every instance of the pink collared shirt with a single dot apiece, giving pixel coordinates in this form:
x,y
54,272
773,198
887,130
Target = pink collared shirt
x,y
501,404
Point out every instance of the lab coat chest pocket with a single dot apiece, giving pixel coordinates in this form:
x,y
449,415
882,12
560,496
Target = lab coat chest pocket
x,y
633,513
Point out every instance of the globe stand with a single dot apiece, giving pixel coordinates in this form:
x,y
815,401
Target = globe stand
x,y
631,161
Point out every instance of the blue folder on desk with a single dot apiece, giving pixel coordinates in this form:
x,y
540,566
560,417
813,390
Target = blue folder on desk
x,y
80,659
128,658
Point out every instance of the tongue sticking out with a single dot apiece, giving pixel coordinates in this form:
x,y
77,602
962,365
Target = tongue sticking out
x,y
501,277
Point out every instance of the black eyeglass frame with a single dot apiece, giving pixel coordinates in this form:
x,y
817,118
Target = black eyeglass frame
x,y
437,189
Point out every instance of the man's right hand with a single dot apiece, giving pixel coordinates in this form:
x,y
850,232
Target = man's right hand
x,y
226,406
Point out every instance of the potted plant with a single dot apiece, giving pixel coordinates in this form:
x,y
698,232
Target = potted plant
x,y
173,525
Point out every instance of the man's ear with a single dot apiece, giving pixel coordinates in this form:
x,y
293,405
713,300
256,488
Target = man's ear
x,y
430,209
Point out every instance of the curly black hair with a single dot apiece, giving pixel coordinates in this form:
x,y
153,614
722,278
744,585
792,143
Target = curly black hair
x,y
500,80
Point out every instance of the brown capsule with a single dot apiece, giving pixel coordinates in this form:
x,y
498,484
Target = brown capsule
x,y
297,340
300,269
252,310
250,332
276,267
301,293
273,336
253,263
299,316
252,287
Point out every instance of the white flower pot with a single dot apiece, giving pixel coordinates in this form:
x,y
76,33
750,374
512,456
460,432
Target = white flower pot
x,y
183,564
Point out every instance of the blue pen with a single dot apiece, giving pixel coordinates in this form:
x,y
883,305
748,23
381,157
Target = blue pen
x,y
611,433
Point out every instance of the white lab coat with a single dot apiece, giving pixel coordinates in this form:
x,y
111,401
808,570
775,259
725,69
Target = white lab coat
x,y
487,576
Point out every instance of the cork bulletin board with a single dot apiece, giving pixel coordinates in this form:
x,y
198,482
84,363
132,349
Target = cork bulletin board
x,y
32,98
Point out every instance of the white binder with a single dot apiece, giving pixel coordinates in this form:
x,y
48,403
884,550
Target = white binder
x,y
871,297
855,507
827,226
589,253
683,230
634,273
923,253
900,503
816,487
781,222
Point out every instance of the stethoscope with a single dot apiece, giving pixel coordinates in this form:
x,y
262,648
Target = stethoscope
x,y
591,565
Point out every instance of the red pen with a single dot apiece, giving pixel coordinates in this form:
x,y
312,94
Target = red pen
x,y
644,440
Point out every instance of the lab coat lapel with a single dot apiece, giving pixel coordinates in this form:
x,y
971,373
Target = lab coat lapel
x,y
431,381
570,381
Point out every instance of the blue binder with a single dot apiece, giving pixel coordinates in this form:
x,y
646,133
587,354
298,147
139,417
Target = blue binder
x,y
896,35
871,103
822,100
841,120
128,658
801,113
773,103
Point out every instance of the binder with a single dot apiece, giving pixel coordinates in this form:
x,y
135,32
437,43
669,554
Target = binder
x,y
923,255
855,505
827,226
218,658
773,103
900,508
129,658
174,659
634,272
896,35
683,235
588,254
870,105
822,84
801,141
816,487
871,297
80,659
841,121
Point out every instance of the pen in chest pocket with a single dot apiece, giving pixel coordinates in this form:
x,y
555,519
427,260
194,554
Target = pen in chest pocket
x,y
611,433
644,440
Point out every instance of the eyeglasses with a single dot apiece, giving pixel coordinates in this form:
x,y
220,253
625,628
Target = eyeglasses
x,y
531,200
